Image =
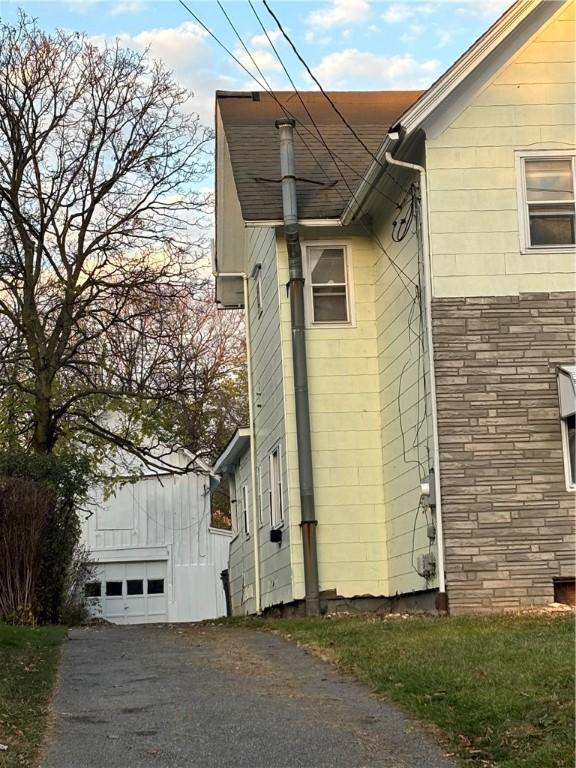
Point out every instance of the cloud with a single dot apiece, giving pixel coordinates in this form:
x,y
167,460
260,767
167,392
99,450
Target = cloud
x,y
487,9
413,33
399,12
185,51
345,69
261,41
339,12
128,6
266,60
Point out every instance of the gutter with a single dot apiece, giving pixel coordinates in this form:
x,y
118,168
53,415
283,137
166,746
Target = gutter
x,y
368,182
255,526
393,137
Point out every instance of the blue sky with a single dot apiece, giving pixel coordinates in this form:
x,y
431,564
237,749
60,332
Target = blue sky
x,y
349,44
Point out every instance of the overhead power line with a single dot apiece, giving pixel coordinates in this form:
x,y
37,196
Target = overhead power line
x,y
286,111
327,96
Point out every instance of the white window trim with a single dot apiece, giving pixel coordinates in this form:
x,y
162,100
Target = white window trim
x,y
276,515
523,218
257,276
259,497
309,308
570,486
245,510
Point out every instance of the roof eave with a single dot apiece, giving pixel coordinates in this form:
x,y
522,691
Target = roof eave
x,y
367,184
432,99
235,448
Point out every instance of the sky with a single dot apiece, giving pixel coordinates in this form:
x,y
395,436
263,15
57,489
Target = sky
x,y
348,44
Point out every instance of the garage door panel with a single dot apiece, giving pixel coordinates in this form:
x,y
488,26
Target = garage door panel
x,y
133,592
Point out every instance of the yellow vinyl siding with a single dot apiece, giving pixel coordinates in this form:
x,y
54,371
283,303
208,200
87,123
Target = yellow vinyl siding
x,y
405,436
474,220
345,422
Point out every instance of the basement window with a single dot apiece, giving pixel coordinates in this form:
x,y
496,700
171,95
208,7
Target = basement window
x,y
567,403
327,284
546,186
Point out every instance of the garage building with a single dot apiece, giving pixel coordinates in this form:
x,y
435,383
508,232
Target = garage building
x,y
158,558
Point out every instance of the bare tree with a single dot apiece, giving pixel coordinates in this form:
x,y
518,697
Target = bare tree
x,y
101,228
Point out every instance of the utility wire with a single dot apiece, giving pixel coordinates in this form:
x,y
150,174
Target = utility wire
x,y
399,271
327,96
287,111
272,94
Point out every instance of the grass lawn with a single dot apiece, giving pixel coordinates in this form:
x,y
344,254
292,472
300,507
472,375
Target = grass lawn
x,y
28,664
499,690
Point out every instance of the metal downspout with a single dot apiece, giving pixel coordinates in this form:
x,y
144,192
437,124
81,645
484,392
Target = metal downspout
x,y
302,406
255,521
442,599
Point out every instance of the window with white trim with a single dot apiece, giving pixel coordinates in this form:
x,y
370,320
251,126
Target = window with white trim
x,y
258,281
547,199
245,517
259,496
275,490
569,436
328,291
567,403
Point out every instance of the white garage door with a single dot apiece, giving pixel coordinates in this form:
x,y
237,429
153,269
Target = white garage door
x,y
130,593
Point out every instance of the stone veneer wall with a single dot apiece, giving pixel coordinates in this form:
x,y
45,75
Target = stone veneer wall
x,y
508,518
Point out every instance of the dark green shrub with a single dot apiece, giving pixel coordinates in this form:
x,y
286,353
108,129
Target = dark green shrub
x,y
67,476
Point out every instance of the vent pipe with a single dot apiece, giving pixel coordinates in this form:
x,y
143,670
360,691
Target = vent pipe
x,y
296,291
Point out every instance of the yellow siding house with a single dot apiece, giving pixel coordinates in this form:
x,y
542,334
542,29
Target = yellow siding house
x,y
439,289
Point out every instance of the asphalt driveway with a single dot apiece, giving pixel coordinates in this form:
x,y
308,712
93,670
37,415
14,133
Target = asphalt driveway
x,y
212,697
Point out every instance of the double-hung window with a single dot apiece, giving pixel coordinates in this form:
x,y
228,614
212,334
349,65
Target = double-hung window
x,y
327,282
276,510
547,200
245,516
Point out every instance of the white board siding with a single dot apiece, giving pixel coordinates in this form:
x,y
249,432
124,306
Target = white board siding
x,y
170,521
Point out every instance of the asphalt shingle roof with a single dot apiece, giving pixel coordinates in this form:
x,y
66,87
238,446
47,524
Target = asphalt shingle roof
x,y
249,126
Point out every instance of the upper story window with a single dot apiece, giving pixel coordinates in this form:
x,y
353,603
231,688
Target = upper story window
x,y
547,199
328,286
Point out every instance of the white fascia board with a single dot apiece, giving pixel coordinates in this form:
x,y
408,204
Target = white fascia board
x,y
366,185
237,445
473,58
301,222
434,98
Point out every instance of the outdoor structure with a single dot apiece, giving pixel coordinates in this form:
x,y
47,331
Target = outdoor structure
x,y
437,233
158,558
